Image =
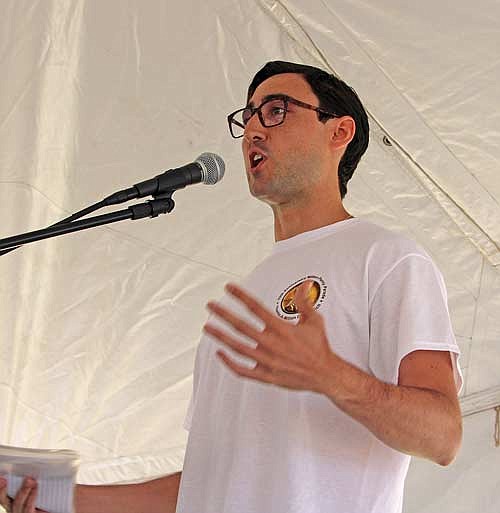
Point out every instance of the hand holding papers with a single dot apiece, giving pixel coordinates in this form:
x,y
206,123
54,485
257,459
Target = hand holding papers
x,y
55,471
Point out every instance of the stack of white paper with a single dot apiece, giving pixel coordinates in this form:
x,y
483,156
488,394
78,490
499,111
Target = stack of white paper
x,y
54,470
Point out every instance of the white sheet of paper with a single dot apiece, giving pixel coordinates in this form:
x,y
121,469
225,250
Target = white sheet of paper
x,y
55,472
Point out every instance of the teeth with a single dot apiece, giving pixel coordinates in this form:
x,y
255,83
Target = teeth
x,y
256,159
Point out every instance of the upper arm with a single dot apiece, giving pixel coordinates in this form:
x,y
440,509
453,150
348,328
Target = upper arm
x,y
430,370
411,335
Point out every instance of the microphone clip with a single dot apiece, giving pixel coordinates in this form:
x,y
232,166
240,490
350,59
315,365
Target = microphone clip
x,y
161,204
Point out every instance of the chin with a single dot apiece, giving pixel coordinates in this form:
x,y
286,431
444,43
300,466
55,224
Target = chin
x,y
258,193
266,197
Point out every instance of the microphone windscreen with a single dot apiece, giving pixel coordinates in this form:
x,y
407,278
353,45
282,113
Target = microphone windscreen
x,y
212,168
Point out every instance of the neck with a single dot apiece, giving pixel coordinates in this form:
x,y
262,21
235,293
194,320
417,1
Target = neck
x,y
290,220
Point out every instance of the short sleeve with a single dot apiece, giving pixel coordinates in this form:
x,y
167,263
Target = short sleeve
x,y
409,312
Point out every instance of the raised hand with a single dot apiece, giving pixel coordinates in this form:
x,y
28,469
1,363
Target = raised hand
x,y
293,356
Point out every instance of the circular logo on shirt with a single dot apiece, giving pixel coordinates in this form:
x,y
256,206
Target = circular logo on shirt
x,y
285,305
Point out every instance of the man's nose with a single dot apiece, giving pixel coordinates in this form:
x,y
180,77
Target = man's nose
x,y
254,129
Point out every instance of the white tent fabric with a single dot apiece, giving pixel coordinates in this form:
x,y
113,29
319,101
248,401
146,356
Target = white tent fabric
x,y
100,328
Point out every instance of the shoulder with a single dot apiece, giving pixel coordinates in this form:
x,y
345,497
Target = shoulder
x,y
386,246
393,254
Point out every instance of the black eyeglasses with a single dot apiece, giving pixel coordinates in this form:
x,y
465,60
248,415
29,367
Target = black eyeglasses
x,y
272,112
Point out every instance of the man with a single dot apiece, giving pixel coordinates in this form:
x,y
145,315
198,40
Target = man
x,y
335,361
339,357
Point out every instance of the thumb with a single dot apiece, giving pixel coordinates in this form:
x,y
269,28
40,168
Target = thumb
x,y
303,301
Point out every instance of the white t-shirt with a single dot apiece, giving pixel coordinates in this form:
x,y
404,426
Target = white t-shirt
x,y
259,448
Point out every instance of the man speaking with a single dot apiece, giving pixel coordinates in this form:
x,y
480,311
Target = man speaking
x,y
334,361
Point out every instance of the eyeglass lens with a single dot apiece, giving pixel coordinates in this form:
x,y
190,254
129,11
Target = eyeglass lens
x,y
272,114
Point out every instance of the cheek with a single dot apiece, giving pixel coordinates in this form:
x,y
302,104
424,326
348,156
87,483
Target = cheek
x,y
305,163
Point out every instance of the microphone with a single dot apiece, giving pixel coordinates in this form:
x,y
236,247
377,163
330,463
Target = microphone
x,y
207,168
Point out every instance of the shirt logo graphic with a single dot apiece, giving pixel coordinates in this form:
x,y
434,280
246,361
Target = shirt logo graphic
x,y
285,305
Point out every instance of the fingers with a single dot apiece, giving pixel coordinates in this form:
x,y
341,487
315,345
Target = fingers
x,y
236,322
29,506
24,502
270,320
257,373
244,349
3,492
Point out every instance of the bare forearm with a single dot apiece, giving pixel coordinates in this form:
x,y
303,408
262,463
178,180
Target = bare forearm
x,y
156,496
416,421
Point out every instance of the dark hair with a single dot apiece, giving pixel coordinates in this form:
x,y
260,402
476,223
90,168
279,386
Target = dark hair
x,y
334,95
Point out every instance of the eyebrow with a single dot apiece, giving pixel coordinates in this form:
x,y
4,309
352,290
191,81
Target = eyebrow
x,y
268,97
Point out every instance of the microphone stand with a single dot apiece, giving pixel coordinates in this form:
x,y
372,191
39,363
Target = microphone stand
x,y
162,204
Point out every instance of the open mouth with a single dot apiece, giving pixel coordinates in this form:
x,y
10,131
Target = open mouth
x,y
256,160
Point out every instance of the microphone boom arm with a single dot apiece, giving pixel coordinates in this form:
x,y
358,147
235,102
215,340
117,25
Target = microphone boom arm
x,y
162,204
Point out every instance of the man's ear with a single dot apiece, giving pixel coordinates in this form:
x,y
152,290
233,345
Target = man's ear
x,y
342,131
